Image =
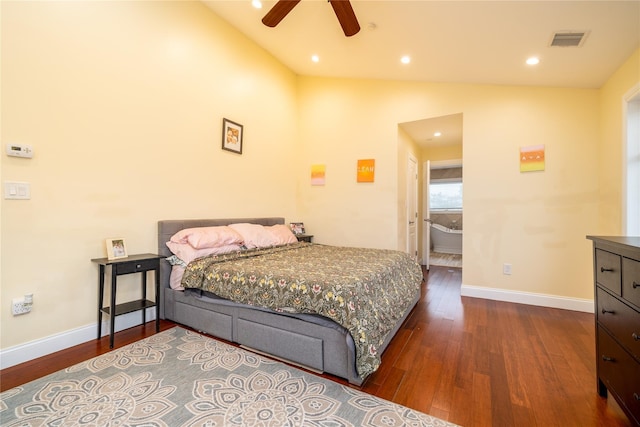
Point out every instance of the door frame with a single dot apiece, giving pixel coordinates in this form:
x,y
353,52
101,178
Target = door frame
x,y
631,171
412,201
426,214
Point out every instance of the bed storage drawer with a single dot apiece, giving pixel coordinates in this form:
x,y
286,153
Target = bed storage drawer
x,y
307,350
218,324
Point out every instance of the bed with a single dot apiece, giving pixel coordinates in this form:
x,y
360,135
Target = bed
x,y
319,342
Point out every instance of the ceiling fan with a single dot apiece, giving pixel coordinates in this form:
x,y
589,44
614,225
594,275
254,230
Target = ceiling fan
x,y
342,8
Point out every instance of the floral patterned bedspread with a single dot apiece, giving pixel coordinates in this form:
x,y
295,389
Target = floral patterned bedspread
x,y
364,290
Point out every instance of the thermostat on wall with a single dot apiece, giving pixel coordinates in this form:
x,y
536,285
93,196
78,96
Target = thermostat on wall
x,y
19,150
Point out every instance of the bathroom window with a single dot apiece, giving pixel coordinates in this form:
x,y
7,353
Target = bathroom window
x,y
445,196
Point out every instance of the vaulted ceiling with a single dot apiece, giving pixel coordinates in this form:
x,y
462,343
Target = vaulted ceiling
x,y
480,42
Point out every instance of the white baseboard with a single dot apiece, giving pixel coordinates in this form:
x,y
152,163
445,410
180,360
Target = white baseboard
x,y
544,300
41,347
32,350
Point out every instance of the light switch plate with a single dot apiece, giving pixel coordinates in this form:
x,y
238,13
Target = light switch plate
x,y
17,190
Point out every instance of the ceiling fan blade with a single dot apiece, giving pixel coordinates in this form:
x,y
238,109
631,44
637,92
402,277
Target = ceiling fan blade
x,y
278,12
346,16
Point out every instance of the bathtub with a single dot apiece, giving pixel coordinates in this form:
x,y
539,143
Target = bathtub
x,y
446,240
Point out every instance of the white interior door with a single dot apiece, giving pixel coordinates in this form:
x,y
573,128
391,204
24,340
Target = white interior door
x,y
412,207
426,215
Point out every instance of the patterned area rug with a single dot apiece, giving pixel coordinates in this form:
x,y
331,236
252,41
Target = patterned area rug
x,y
181,378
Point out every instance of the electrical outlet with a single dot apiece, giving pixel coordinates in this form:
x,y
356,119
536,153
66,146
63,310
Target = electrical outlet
x,y
18,306
506,269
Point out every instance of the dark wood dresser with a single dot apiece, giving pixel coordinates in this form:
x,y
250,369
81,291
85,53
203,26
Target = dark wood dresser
x,y
616,263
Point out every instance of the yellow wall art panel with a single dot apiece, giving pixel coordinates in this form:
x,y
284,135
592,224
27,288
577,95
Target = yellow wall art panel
x,y
317,174
532,158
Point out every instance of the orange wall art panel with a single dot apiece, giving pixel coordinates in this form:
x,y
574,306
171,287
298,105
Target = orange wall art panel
x,y
366,170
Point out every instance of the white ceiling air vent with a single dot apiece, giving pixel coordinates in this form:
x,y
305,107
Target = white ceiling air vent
x,y
568,38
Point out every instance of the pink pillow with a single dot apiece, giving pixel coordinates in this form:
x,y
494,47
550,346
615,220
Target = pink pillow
x,y
208,237
188,253
282,234
175,278
255,235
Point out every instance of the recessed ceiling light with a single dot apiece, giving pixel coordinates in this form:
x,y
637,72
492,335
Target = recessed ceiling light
x,y
315,58
437,134
533,61
257,4
405,59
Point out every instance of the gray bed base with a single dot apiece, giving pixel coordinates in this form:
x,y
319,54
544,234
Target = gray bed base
x,y
304,341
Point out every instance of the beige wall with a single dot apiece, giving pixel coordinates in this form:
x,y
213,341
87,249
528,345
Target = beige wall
x,y
611,148
123,103
535,221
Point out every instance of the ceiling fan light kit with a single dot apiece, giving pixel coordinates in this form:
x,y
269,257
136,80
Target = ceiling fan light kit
x,y
342,8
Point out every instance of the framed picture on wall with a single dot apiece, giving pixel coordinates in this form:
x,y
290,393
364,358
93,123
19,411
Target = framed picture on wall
x,y
231,136
116,248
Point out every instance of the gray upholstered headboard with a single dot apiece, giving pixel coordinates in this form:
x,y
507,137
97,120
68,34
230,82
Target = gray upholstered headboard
x,y
167,228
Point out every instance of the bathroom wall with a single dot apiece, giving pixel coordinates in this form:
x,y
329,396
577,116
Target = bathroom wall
x,y
450,220
446,173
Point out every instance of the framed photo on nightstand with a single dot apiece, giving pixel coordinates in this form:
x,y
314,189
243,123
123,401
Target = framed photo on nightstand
x,y
297,227
116,249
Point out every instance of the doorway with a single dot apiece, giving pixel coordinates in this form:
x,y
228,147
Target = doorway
x,y
444,208
438,141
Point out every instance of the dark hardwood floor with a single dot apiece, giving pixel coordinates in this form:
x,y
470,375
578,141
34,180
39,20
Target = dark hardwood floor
x,y
470,361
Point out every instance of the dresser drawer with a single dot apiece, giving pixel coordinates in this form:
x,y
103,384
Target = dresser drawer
x,y
631,281
621,320
620,373
608,270
137,266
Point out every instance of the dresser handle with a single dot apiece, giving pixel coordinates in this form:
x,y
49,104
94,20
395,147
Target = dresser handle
x,y
635,336
605,311
603,269
637,396
138,266
607,358
635,284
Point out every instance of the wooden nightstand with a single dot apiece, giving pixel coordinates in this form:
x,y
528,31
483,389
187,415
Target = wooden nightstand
x,y
304,237
132,264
